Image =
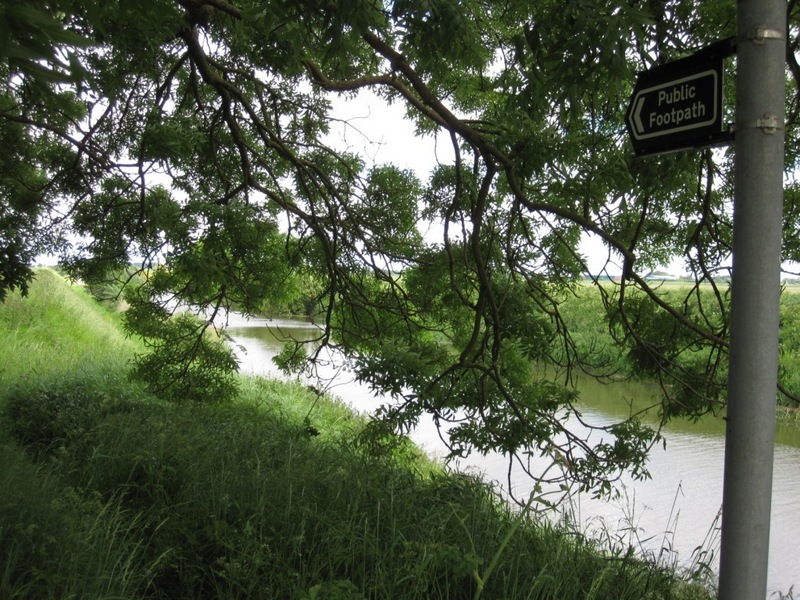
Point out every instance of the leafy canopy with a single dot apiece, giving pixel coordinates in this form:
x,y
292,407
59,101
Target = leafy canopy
x,y
190,138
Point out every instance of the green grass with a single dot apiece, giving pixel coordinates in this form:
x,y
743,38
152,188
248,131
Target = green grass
x,y
587,322
108,492
51,333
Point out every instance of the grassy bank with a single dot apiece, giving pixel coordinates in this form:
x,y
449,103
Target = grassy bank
x,y
108,492
588,322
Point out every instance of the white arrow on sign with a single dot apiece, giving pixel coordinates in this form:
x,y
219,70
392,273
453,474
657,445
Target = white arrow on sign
x,y
637,115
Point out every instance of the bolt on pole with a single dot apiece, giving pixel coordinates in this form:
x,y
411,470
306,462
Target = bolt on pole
x,y
755,299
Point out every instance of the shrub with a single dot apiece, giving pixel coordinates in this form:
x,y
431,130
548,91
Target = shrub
x,y
53,413
60,542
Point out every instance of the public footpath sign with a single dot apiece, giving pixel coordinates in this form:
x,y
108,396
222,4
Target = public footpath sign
x,y
677,106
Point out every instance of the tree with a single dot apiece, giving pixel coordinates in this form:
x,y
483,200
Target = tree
x,y
190,135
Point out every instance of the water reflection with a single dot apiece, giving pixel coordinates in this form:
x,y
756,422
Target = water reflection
x,y
673,514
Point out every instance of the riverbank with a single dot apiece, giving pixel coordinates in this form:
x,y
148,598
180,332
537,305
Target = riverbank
x,y
674,515
111,492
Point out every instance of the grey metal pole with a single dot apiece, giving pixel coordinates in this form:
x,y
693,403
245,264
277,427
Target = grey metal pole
x,y
755,297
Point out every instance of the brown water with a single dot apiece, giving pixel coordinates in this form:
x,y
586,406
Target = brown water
x,y
673,515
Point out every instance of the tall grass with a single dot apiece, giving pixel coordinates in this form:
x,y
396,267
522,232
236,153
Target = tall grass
x,y
59,542
51,333
108,492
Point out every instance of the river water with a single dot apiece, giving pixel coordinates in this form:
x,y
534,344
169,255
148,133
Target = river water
x,y
674,515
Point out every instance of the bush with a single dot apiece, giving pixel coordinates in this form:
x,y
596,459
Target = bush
x,y
51,414
60,542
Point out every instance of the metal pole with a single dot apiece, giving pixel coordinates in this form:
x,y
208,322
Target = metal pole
x,y
757,208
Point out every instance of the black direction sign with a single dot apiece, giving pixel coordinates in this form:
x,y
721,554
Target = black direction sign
x,y
677,106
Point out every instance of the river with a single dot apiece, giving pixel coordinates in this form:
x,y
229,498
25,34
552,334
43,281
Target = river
x,y
675,514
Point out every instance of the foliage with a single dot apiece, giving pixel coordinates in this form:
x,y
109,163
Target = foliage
x,y
58,542
681,356
50,415
192,138
185,361
597,350
109,289
789,348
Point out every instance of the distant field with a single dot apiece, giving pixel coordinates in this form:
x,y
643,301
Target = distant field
x,y
789,286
